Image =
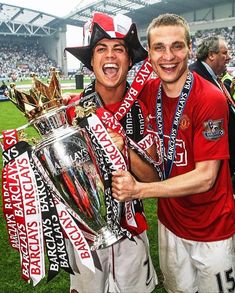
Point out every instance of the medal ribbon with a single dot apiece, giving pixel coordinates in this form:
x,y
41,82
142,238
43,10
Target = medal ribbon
x,y
113,121
175,125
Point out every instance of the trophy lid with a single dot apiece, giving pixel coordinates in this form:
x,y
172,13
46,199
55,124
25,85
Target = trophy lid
x,y
41,97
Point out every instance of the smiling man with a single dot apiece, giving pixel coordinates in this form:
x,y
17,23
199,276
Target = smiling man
x,y
195,201
111,48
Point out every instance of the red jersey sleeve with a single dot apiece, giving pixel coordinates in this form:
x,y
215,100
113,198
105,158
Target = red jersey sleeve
x,y
71,110
211,124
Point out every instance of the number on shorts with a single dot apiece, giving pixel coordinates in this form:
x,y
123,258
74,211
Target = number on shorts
x,y
229,279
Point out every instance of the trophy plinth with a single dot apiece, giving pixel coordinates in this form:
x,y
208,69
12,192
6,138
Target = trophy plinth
x,y
104,239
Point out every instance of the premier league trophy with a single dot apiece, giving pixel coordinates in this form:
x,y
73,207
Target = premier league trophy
x,y
68,160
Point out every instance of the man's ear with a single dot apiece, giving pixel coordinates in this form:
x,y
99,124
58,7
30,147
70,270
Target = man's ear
x,y
211,56
130,62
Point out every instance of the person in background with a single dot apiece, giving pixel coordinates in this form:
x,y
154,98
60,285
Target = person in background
x,y
196,209
3,87
112,49
212,58
8,91
229,82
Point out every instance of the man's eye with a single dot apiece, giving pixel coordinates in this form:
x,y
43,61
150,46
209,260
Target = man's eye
x,y
100,50
119,49
178,46
159,48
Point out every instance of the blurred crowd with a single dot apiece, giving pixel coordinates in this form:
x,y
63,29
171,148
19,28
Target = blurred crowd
x,y
20,59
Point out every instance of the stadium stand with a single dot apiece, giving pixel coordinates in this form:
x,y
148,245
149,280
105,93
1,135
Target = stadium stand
x,y
19,58
33,41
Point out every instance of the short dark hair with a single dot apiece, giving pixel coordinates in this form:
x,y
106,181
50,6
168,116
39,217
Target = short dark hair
x,y
169,19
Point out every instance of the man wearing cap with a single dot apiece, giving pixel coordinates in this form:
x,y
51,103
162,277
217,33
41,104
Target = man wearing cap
x,y
112,49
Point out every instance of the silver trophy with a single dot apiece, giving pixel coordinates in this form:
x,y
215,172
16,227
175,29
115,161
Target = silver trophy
x,y
66,158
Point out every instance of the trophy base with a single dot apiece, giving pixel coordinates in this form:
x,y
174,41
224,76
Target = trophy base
x,y
104,239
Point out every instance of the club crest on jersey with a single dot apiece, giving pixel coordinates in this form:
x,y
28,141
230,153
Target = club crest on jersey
x,y
213,129
184,122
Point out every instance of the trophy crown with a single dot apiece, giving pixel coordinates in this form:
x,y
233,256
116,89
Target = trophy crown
x,y
41,98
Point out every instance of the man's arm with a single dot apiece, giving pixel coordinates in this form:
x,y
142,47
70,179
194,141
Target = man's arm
x,y
199,180
141,169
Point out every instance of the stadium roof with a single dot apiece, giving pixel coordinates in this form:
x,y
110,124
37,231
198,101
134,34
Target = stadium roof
x,y
140,11
23,21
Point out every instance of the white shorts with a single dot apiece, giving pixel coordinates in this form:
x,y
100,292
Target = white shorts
x,y
126,268
191,266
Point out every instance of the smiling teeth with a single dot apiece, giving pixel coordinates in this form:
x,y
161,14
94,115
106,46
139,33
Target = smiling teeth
x,y
169,66
112,65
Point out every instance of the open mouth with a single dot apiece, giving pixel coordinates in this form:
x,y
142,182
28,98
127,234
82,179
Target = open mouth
x,y
168,67
110,69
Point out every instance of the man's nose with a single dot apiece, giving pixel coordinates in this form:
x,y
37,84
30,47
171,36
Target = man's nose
x,y
228,57
168,54
110,52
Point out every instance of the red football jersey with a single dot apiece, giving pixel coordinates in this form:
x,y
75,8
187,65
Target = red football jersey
x,y
202,135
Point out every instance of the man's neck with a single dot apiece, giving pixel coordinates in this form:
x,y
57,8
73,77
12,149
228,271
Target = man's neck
x,y
173,89
111,95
